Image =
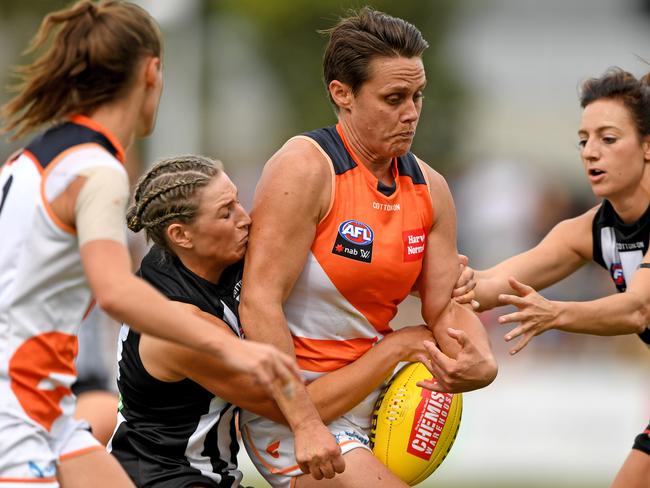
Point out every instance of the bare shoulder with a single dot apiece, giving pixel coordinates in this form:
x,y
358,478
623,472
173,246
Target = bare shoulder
x,y
299,159
298,175
576,232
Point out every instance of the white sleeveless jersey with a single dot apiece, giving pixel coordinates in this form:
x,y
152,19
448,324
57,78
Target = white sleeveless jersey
x,y
44,294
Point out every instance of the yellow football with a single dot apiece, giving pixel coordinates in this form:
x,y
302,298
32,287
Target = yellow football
x,y
413,428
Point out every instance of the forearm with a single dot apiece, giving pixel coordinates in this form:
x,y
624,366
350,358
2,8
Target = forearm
x,y
337,392
136,303
484,367
265,323
625,313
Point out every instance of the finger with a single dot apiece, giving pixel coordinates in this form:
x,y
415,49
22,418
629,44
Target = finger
x,y
461,289
316,472
511,317
517,301
514,333
304,467
432,385
327,470
435,370
521,344
519,287
475,305
463,260
460,336
339,463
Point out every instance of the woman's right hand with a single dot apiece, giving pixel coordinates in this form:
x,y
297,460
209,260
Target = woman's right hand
x,y
264,362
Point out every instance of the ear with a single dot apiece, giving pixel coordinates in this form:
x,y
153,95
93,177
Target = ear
x,y
341,94
646,148
179,236
152,67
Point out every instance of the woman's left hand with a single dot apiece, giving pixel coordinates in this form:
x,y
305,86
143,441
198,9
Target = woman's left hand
x,y
463,291
470,370
536,314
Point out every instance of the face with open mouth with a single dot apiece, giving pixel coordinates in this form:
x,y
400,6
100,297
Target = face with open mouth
x,y
612,152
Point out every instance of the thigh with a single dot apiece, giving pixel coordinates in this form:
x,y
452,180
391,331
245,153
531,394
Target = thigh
x,y
96,468
362,468
635,472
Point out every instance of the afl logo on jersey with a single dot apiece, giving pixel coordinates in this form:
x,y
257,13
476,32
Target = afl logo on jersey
x,y
354,240
356,232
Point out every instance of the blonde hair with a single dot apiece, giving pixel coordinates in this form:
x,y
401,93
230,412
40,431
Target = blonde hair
x,y
169,192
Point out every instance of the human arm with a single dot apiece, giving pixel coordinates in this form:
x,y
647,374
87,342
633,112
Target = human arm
x,y
618,314
289,202
564,249
464,360
89,199
463,291
333,393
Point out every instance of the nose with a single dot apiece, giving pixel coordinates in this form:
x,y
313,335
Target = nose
x,y
244,220
411,112
590,151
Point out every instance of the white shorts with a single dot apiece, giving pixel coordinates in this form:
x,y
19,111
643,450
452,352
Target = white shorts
x,y
29,454
270,445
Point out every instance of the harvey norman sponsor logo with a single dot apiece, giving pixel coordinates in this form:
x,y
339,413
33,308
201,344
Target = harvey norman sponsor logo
x,y
414,242
430,417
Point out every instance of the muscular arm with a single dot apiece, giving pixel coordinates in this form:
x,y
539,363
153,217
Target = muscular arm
x,y
333,394
290,200
475,366
565,249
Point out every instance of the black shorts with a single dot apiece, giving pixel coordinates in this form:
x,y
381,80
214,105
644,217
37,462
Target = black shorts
x,y
642,441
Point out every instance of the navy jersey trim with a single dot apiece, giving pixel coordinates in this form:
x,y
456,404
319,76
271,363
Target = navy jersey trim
x,y
47,146
407,165
330,141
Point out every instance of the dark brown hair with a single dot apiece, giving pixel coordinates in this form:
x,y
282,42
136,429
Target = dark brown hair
x,y
88,55
617,84
355,40
168,192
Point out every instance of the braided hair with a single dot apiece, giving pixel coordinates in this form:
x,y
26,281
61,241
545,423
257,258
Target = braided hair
x,y
169,192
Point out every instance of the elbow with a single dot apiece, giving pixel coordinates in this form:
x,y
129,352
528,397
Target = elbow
x,y
491,371
111,302
642,319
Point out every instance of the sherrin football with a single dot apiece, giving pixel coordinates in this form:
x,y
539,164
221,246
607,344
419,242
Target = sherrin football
x,y
413,428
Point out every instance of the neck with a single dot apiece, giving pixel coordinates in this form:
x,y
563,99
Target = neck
x,y
379,166
632,205
211,273
120,118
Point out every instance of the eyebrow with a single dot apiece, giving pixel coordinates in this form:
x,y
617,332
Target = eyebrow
x,y
600,129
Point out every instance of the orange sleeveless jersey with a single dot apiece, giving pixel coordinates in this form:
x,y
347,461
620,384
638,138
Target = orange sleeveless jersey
x,y
365,258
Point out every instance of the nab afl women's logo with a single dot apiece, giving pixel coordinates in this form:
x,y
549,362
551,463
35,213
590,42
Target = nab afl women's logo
x,y
354,241
356,232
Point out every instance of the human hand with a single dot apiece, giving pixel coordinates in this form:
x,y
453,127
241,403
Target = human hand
x,y
268,365
409,341
536,314
463,291
317,451
472,369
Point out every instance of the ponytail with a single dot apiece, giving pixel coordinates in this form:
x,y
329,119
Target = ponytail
x,y
88,56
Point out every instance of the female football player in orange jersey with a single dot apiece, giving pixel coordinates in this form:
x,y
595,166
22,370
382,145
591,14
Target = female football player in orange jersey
x,y
95,87
614,139
346,223
185,400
